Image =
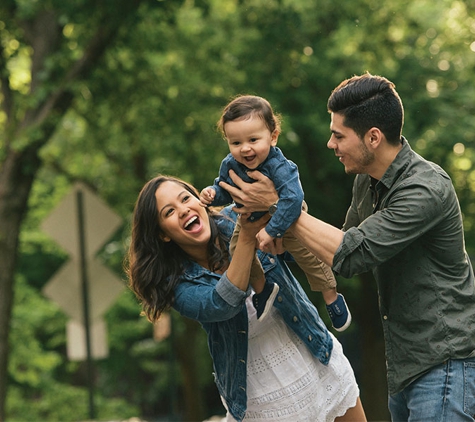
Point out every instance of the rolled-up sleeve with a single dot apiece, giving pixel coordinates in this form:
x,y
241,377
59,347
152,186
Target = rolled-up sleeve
x,y
230,293
342,263
406,214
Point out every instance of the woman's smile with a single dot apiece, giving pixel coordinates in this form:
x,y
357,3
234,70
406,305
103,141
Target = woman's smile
x,y
181,217
193,224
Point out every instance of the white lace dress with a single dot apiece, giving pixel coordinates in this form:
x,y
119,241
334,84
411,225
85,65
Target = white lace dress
x,y
286,383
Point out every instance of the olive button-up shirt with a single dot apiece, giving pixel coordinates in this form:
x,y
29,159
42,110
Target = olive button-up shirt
x,y
407,228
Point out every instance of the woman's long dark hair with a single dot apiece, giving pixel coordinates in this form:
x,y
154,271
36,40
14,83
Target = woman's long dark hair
x,y
153,266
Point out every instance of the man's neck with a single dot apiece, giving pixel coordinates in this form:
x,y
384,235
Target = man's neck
x,y
384,158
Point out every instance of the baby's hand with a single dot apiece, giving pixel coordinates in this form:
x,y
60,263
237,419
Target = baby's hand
x,y
207,196
265,241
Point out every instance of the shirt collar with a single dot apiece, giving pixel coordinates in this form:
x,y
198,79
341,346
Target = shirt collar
x,y
399,164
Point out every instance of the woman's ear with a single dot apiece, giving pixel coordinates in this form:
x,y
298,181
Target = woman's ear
x,y
164,238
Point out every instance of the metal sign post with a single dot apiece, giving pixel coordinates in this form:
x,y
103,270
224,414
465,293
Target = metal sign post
x,y
83,287
85,299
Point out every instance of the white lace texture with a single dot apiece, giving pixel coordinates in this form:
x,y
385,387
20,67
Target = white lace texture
x,y
285,383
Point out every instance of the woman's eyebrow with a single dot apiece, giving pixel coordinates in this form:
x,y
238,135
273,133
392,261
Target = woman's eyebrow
x,y
161,210
183,192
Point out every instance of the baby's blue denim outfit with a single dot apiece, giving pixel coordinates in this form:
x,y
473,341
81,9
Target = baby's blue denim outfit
x,y
283,172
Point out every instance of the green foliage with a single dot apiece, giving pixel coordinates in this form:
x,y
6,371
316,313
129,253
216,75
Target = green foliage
x,y
40,375
151,106
62,403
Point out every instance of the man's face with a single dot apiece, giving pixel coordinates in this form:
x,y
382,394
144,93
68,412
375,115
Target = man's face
x,y
350,149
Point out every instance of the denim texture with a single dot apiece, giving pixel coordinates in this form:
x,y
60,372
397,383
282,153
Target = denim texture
x,y
283,172
220,307
420,401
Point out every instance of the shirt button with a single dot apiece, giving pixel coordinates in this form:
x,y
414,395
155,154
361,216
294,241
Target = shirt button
x,y
295,319
327,354
310,337
271,260
278,235
385,317
279,299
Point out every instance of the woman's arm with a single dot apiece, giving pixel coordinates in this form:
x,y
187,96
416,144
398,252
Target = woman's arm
x,y
207,301
240,266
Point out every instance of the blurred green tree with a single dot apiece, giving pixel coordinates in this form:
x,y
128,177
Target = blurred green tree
x,y
150,105
41,61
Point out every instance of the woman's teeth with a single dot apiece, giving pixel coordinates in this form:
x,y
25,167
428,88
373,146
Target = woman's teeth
x,y
190,221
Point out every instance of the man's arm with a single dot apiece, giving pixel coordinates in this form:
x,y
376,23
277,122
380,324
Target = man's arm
x,y
320,238
257,196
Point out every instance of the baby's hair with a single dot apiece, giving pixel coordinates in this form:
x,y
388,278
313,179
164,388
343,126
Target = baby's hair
x,y
244,107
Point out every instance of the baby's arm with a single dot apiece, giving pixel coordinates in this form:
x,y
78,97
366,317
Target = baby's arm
x,y
207,196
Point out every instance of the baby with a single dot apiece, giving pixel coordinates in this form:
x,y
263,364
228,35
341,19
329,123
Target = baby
x,y
251,128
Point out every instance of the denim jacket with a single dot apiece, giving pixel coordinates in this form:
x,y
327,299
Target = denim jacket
x,y
283,172
219,306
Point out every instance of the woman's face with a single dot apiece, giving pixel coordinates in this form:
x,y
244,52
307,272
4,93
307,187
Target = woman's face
x,y
181,217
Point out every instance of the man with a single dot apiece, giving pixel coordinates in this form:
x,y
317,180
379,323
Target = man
x,y
404,224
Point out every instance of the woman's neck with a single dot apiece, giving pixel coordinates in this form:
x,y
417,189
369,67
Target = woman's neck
x,y
199,255
204,262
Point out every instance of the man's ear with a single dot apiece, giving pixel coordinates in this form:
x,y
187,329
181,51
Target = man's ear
x,y
374,137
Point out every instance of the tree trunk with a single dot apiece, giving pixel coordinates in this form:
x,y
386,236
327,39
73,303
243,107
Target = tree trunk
x,y
19,160
186,347
16,177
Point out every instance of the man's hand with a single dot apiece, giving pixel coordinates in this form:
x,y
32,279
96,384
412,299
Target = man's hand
x,y
257,196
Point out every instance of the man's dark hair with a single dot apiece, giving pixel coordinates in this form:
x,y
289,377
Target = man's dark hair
x,y
368,101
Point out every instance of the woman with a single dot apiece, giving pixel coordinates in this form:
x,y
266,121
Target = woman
x,y
287,367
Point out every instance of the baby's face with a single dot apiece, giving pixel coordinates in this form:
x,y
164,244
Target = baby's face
x,y
249,140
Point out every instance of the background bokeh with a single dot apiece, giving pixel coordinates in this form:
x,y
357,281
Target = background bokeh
x,y
111,93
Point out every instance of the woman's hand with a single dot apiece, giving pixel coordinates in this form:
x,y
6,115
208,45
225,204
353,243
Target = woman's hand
x,y
257,196
250,229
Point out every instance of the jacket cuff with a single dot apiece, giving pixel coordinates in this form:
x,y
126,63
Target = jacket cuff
x,y
229,292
